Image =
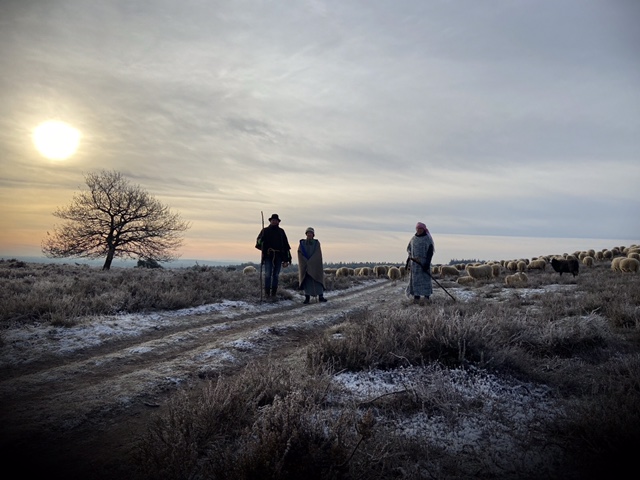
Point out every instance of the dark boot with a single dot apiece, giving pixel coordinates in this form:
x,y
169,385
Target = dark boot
x,y
306,299
321,298
267,292
273,292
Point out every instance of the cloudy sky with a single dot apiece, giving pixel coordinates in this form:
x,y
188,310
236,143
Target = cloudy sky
x,y
511,128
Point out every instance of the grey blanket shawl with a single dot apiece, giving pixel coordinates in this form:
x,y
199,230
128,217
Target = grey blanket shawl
x,y
310,261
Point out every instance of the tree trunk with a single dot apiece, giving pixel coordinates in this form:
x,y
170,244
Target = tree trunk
x,y
109,259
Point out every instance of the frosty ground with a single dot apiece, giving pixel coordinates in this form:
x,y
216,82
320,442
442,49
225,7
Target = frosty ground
x,y
60,380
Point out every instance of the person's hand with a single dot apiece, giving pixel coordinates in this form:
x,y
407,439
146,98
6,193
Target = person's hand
x,y
285,264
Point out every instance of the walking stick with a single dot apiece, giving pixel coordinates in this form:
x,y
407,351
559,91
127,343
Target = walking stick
x,y
429,273
261,251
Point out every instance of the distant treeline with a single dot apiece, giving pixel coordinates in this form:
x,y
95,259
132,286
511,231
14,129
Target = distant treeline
x,y
455,261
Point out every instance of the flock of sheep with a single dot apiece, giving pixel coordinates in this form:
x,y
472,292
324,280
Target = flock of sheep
x,y
623,259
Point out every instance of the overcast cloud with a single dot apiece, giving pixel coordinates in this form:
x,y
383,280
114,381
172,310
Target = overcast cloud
x,y
495,118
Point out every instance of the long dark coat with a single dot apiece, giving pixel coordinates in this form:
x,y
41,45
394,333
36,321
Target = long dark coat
x,y
310,267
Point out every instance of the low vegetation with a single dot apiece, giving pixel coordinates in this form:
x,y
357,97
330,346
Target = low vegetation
x,y
577,340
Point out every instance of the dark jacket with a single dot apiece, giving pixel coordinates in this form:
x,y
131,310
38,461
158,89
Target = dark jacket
x,y
272,241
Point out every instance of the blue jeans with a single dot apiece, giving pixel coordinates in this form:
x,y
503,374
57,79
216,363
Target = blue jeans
x,y
272,266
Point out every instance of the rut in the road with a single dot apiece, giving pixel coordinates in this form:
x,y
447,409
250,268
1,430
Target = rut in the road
x,y
102,383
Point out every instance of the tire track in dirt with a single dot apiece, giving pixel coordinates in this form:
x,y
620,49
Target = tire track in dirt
x,y
106,382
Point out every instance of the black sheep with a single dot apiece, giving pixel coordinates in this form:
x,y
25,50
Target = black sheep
x,y
570,265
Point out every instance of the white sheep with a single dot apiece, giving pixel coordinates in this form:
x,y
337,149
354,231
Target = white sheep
x,y
588,261
496,269
379,270
465,280
519,278
629,265
480,271
342,272
394,273
615,264
539,264
521,265
364,272
249,269
512,266
448,270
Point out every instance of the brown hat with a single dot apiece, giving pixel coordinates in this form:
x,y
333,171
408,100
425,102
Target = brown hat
x,y
274,216
309,229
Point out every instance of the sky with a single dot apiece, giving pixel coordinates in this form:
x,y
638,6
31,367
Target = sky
x,y
511,128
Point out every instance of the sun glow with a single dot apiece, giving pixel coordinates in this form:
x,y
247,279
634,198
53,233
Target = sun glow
x,y
56,140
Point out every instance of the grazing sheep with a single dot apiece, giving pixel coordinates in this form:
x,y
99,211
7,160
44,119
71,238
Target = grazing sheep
x,y
539,264
512,266
435,269
403,271
522,265
365,272
635,255
394,273
615,264
607,254
629,265
599,256
465,280
480,271
379,270
519,278
249,269
588,261
496,269
448,270
342,272
563,265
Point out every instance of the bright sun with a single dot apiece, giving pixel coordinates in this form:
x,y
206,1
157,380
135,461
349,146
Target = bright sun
x,y
56,140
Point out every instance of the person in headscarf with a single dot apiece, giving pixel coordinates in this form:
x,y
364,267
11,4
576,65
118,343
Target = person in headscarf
x,y
420,249
310,268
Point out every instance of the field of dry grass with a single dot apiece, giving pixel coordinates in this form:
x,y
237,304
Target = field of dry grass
x,y
551,376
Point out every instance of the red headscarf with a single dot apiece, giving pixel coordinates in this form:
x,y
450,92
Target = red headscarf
x,y
422,226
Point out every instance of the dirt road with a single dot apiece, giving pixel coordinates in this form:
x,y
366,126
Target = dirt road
x,y
76,416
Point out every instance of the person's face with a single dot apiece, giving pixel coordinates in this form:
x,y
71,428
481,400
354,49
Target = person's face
x,y
275,221
419,230
309,235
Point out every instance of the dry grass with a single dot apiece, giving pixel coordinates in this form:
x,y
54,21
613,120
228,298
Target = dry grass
x,y
41,292
578,337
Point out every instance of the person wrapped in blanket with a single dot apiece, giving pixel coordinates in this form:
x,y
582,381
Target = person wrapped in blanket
x,y
310,267
420,249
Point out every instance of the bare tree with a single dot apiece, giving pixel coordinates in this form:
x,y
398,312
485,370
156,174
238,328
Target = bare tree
x,y
114,218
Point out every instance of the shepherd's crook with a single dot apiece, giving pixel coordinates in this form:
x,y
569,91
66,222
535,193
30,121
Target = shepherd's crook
x,y
429,273
260,279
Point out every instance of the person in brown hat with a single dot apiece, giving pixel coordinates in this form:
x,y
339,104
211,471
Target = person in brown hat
x,y
310,268
276,253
